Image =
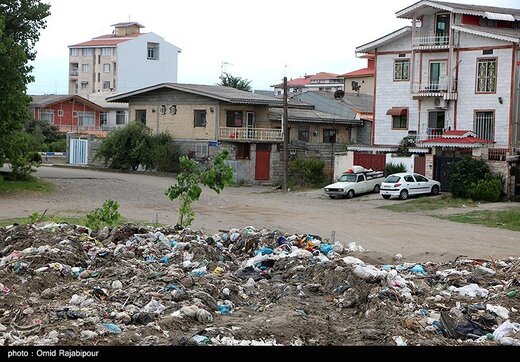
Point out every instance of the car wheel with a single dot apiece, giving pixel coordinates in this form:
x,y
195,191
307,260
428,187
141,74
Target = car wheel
x,y
403,195
435,190
350,194
377,188
386,197
332,197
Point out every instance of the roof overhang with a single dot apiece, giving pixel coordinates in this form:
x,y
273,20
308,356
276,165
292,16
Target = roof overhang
x,y
486,34
408,12
368,47
499,16
397,111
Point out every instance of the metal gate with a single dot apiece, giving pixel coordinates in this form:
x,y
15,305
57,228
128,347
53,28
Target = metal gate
x,y
419,164
78,154
442,166
376,162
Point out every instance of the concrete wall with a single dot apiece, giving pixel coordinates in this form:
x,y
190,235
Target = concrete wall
x,y
367,85
316,132
502,168
342,162
407,161
135,71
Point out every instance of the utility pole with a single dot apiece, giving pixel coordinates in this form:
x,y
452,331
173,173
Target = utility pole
x,y
285,137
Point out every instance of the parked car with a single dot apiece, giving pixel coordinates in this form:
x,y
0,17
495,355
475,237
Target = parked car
x,y
406,184
355,182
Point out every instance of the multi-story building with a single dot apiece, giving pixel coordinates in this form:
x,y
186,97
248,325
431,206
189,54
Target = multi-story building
x,y
120,62
361,80
455,68
318,82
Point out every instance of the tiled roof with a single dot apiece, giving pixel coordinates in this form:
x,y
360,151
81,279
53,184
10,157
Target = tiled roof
x,y
225,94
457,8
323,75
105,40
294,83
459,138
383,40
311,116
495,33
363,103
43,101
124,25
365,72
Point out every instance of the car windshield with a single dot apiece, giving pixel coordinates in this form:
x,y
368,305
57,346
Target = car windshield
x,y
348,178
392,179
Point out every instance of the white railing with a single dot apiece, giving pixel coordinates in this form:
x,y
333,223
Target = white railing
x,y
72,128
111,128
74,72
251,134
433,41
431,87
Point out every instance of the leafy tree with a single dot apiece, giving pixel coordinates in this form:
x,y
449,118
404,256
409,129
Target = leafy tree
x,y
227,80
188,188
404,146
45,137
464,173
20,25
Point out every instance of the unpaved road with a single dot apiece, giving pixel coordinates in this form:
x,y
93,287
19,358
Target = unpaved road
x,y
418,236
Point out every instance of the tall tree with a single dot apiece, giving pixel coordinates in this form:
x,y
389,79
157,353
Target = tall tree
x,y
227,80
20,25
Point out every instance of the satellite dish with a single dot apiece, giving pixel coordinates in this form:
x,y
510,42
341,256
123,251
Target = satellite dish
x,y
339,94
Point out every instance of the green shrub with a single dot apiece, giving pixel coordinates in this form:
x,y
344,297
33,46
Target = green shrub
x,y
307,173
107,215
56,146
165,154
392,168
488,189
464,173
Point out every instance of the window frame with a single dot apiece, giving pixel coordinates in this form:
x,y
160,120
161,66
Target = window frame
x,y
74,52
241,119
243,151
335,135
477,82
118,114
401,60
103,118
407,121
47,112
85,66
87,52
83,84
107,66
154,48
105,82
110,51
81,118
302,129
197,118
138,113
475,114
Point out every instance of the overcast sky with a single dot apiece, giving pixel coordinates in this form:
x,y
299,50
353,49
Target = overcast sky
x,y
258,38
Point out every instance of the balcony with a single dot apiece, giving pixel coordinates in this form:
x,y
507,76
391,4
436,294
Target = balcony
x,y
431,42
435,89
251,134
74,72
430,133
75,128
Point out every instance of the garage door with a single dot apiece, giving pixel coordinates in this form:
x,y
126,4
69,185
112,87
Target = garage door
x,y
376,162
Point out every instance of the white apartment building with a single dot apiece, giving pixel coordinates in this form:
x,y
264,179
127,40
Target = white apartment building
x,y
120,62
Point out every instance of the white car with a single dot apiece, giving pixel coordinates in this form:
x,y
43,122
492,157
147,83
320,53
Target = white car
x,y
406,184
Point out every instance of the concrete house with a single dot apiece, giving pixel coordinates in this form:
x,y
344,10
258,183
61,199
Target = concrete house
x,y
456,68
361,80
204,118
125,60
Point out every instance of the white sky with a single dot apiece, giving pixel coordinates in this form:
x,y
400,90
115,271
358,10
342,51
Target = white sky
x,y
258,38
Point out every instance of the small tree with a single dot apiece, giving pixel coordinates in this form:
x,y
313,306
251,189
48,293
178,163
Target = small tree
x,y
464,173
227,80
193,176
107,215
404,147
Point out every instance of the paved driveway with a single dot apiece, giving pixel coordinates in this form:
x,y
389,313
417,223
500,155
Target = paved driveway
x,y
418,237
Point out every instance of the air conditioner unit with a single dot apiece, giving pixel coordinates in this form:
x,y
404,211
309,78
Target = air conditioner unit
x,y
441,103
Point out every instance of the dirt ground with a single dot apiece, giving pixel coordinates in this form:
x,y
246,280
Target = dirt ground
x,y
418,236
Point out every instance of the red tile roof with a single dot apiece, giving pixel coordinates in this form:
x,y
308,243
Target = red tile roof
x,y
365,72
106,40
324,75
295,83
458,137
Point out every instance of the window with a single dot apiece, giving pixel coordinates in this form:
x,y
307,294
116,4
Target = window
x,y
201,150
106,68
400,121
402,70
243,151
87,52
436,120
409,178
234,119
140,115
86,119
85,68
153,51
60,113
84,85
74,52
303,134
329,136
106,85
420,178
120,117
106,52
199,119
485,125
47,115
486,75
103,118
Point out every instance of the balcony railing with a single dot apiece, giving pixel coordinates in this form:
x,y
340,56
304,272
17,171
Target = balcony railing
x,y
431,87
75,128
74,72
251,134
431,42
111,128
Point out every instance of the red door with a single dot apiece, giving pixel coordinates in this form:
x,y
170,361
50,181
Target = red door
x,y
263,161
367,160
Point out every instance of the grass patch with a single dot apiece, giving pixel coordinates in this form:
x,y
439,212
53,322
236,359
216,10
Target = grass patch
x,y
33,184
425,203
509,219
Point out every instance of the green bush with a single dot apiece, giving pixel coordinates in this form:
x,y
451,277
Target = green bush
x,y
392,168
464,173
56,146
165,154
488,189
307,173
107,215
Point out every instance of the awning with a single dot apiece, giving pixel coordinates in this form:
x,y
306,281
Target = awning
x,y
397,111
498,16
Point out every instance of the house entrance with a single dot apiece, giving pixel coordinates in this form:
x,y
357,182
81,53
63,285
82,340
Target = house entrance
x,y
263,161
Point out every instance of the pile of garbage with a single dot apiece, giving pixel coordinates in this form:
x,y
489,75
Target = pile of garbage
x,y
64,284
